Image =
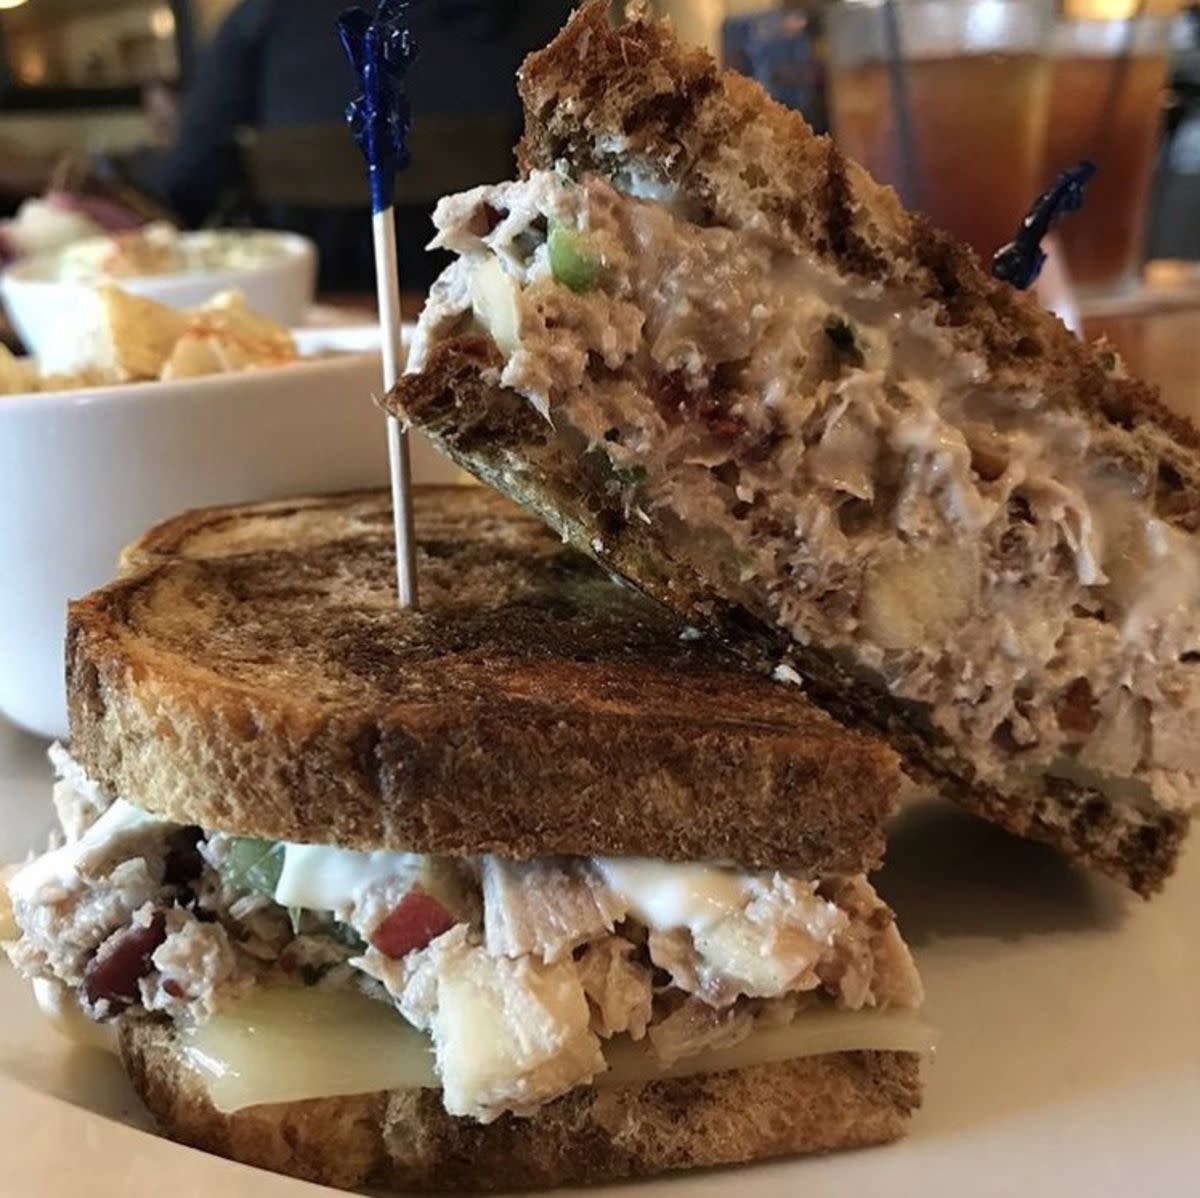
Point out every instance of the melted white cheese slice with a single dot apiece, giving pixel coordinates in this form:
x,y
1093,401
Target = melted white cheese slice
x,y
288,1045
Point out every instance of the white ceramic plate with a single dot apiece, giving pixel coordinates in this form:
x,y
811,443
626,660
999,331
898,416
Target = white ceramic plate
x,y
1069,1061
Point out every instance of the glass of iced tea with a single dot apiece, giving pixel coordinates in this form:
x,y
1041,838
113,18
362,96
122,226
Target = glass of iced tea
x,y
946,100
1106,104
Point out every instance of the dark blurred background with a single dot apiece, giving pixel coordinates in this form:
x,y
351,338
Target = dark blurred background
x,y
230,111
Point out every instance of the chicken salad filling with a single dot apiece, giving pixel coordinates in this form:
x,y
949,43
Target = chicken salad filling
x,y
518,971
845,467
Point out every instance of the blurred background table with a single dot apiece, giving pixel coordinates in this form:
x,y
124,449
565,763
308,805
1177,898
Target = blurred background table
x,y
1157,332
1161,347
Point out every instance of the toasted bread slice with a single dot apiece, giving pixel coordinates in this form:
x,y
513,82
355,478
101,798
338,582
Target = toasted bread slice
x,y
405,1140
681,460
251,673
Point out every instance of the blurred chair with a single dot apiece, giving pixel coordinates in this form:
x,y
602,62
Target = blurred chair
x,y
319,166
311,179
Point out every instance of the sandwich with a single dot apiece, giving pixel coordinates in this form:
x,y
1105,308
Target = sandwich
x,y
520,890
718,357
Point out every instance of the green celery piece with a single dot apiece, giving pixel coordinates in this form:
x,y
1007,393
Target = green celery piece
x,y
570,261
844,340
254,864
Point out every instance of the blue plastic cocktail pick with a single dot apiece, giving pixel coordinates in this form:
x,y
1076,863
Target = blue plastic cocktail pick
x,y
381,49
1021,260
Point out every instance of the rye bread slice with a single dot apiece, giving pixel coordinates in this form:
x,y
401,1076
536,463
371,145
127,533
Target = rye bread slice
x,y
251,673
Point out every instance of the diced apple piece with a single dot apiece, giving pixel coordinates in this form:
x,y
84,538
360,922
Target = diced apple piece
x,y
511,1034
1174,744
1153,573
919,596
1118,742
737,949
417,919
496,305
762,960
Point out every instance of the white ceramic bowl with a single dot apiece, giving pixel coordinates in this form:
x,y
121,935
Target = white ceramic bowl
x,y
35,301
83,473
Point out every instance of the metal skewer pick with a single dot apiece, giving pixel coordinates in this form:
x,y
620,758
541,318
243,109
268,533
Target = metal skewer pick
x,y
380,49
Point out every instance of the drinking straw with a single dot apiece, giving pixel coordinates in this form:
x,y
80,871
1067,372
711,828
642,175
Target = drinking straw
x,y
901,103
381,49
1120,69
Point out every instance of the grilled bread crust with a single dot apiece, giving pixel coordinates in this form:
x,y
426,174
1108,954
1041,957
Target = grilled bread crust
x,y
500,437
404,1139
251,673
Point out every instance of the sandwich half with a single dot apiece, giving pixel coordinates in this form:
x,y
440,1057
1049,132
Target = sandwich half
x,y
720,358
520,890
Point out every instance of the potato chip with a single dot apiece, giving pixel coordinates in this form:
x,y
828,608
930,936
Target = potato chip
x,y
137,334
18,376
135,339
226,336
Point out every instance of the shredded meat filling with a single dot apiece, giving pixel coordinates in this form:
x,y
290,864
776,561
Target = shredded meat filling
x,y
826,451
518,971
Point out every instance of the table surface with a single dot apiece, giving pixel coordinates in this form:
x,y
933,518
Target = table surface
x,y
1163,347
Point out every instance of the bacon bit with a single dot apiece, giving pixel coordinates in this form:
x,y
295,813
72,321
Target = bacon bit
x,y
113,973
1077,709
416,919
174,989
1003,738
484,219
989,464
676,401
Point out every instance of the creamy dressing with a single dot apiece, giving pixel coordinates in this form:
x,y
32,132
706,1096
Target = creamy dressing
x,y
324,878
666,895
